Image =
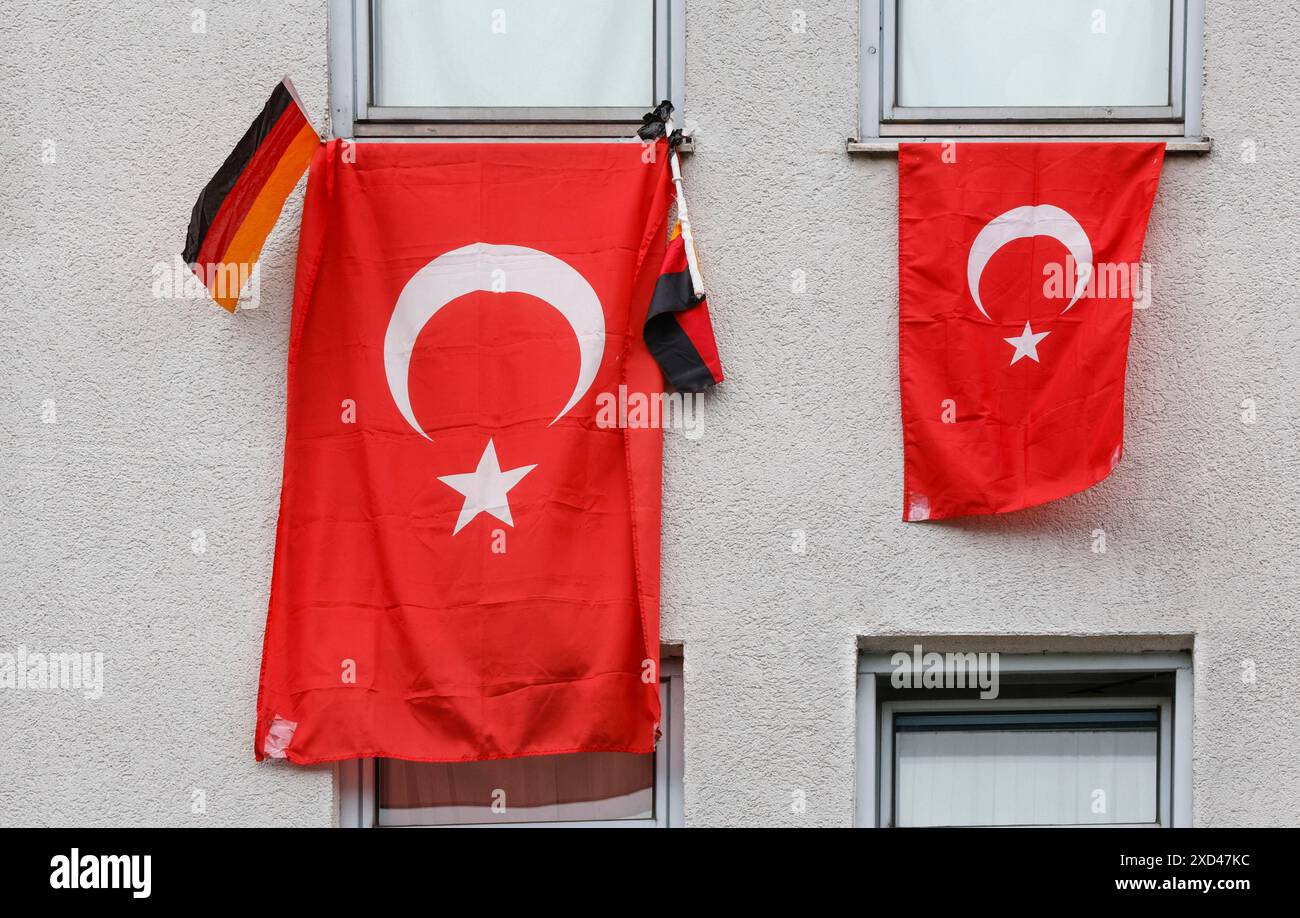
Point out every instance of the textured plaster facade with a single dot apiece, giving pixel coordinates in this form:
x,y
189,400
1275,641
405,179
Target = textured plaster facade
x,y
169,418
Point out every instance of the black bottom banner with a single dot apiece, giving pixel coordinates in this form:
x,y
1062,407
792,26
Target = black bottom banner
x,y
286,869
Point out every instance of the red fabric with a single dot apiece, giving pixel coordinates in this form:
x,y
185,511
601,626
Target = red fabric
x,y
697,325
240,199
675,256
982,434
679,331
460,651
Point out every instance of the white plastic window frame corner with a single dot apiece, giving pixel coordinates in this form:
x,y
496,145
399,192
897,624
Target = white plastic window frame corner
x,y
873,720
882,123
353,116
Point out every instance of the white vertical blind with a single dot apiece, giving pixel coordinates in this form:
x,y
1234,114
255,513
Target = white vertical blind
x,y
491,53
1025,777
1038,53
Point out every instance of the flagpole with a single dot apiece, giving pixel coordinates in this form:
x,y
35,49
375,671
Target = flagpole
x,y
683,217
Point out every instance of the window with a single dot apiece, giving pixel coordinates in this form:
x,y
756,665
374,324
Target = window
x,y
1069,740
1031,68
590,789
489,68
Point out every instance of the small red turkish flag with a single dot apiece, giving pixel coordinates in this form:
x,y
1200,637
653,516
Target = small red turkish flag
x,y
1018,268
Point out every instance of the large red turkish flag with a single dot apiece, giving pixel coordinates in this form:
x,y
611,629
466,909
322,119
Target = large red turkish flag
x,y
467,561
1018,265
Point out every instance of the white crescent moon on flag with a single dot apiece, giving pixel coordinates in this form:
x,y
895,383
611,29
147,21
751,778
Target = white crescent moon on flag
x,y
475,267
1022,223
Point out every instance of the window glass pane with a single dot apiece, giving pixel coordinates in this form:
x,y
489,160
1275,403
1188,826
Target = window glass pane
x,y
954,53
550,788
489,53
1070,773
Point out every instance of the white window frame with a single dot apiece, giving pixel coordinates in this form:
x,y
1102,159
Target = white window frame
x,y
874,803
881,118
358,804
353,115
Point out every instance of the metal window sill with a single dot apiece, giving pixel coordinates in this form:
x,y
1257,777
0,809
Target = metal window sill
x,y
507,132
882,146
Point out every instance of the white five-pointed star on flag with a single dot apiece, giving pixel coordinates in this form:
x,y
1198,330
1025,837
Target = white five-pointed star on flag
x,y
1026,345
485,488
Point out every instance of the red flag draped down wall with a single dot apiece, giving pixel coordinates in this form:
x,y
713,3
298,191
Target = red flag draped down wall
x,y
1018,265
467,561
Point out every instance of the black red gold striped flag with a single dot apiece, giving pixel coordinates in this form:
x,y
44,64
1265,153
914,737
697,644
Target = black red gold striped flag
x,y
678,330
237,210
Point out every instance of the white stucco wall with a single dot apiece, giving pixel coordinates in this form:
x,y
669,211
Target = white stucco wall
x,y
170,419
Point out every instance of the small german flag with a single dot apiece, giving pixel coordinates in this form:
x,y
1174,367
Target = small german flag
x,y
237,210
678,330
